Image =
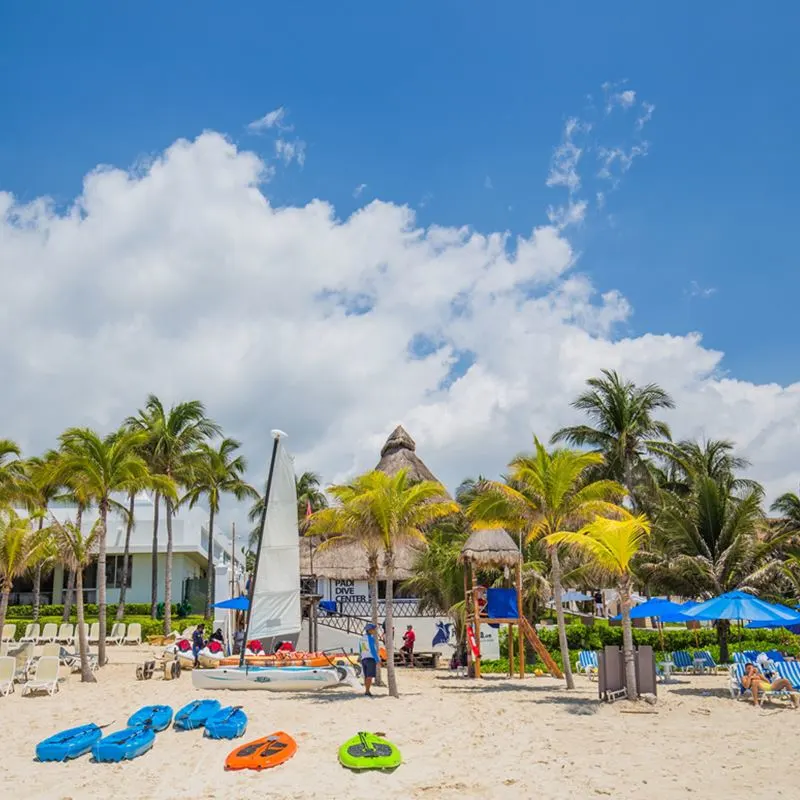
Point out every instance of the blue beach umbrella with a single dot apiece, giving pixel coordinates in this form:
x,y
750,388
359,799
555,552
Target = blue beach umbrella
x,y
659,608
240,603
741,605
575,597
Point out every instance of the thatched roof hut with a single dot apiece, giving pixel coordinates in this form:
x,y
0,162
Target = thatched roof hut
x,y
399,453
490,548
348,560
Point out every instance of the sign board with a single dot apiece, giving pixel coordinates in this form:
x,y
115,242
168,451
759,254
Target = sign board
x,y
490,643
349,591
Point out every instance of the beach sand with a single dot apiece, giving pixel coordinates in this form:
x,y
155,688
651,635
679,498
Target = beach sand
x,y
459,738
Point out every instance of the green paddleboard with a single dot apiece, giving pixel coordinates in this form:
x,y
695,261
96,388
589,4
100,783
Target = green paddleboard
x,y
369,751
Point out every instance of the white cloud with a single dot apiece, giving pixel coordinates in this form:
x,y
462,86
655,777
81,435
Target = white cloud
x,y
272,119
359,189
696,290
185,281
645,115
616,96
288,151
616,161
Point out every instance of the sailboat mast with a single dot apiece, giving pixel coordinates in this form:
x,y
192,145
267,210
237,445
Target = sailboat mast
x,y
261,523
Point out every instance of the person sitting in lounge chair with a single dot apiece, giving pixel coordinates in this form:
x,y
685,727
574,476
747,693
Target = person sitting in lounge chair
x,y
756,682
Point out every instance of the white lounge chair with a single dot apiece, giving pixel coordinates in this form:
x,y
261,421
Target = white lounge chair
x,y
4,648
66,633
94,633
45,678
8,666
134,634
51,649
9,632
23,658
73,660
78,633
117,634
32,633
49,633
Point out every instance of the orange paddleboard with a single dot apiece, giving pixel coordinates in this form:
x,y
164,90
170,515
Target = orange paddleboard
x,y
269,751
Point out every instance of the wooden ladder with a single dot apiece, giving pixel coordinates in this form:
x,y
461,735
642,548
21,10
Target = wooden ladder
x,y
541,650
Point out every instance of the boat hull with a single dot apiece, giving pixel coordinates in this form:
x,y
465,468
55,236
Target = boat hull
x,y
273,679
195,714
228,723
124,745
68,744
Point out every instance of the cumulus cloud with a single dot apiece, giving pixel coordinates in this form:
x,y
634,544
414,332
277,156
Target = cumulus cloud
x,y
288,151
359,189
183,279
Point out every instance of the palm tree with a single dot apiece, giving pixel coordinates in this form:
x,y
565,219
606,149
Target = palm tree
x,y
150,482
548,493
77,551
217,471
611,544
710,543
788,506
390,510
172,438
42,492
623,427
19,546
12,472
309,495
102,466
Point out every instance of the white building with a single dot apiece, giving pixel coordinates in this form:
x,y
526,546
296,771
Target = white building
x,y
189,561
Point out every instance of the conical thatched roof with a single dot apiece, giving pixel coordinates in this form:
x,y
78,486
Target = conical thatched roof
x,y
348,560
490,547
399,453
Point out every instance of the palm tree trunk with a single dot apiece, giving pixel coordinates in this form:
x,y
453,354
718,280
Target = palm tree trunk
x,y
68,599
101,583
71,577
125,556
168,572
562,624
210,570
6,593
154,563
372,577
627,638
723,629
37,581
83,643
391,676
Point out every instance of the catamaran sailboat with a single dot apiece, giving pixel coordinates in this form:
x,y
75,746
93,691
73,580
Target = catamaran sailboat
x,y
274,608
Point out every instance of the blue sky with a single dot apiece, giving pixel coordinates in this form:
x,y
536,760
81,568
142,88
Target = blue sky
x,y
423,102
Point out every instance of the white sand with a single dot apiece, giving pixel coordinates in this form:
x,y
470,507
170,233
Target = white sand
x,y
459,739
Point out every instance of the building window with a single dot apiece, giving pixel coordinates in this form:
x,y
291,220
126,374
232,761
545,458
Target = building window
x,y
399,591
114,565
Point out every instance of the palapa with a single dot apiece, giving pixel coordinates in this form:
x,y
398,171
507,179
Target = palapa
x,y
490,547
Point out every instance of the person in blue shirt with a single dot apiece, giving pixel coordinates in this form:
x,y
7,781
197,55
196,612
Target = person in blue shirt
x,y
198,642
368,653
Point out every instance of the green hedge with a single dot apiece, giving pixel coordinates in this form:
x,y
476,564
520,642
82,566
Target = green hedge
x,y
150,627
90,609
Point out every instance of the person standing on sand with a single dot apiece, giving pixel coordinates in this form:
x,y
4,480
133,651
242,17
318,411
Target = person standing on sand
x,y
368,653
198,642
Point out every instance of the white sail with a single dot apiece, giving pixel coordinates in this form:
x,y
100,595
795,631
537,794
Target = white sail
x,y
276,594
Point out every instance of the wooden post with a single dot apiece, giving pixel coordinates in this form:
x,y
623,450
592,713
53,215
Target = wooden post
x,y
520,614
510,650
477,613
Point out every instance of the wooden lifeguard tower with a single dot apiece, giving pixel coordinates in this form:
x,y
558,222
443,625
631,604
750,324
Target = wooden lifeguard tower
x,y
493,548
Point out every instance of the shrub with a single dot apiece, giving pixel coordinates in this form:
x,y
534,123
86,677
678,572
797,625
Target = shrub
x,y
150,627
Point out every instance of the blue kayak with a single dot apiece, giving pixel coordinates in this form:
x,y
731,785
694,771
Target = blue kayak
x,y
155,717
69,744
195,714
228,723
124,745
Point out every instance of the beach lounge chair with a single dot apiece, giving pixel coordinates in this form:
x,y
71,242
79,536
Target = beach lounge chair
x,y
4,648
682,660
23,657
739,658
51,649
775,656
707,659
587,662
8,667
738,691
49,633
32,632
66,633
73,660
9,632
789,670
117,633
94,633
45,678
134,634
